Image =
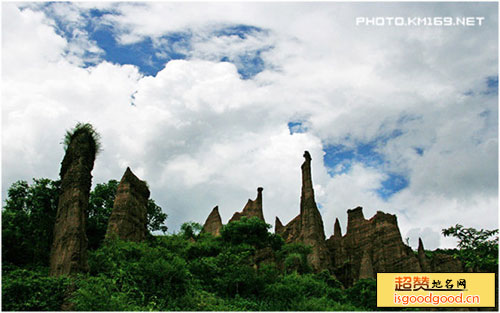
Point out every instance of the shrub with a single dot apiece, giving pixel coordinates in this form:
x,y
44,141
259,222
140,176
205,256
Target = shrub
x,y
478,249
268,273
32,290
174,243
28,221
293,289
87,129
294,258
102,293
251,231
139,272
363,294
236,275
205,246
324,304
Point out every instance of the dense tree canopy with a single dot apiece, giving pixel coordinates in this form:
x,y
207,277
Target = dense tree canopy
x,y
100,206
188,271
252,231
29,214
245,268
477,249
28,221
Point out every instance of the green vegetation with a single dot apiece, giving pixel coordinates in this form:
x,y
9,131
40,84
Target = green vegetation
x,y
32,289
83,128
477,249
173,273
28,222
30,211
101,201
246,268
364,294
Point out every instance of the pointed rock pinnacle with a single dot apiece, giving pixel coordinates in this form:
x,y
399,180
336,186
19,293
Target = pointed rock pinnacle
x,y
128,220
278,226
422,258
251,209
213,224
307,186
420,244
337,232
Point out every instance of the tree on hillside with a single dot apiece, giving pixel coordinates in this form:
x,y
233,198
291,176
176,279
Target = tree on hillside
x,y
100,206
29,214
190,230
251,231
156,218
28,221
477,249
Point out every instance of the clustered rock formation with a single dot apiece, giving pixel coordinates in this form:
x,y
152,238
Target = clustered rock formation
x,y
439,263
128,220
253,208
368,247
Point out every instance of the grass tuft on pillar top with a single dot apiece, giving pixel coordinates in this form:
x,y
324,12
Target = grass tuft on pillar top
x,y
83,128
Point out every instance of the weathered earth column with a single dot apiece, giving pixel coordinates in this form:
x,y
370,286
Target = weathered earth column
x,y
422,258
312,229
69,248
337,232
253,208
213,224
278,226
128,220
307,227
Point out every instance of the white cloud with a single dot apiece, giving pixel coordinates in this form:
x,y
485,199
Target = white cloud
x,y
36,32
430,238
201,136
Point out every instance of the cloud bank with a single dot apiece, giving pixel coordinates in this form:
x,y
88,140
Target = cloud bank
x,y
207,102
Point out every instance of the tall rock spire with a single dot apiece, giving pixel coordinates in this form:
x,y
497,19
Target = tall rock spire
x,y
422,258
253,208
312,229
312,223
338,254
213,224
69,247
128,220
307,186
278,226
307,227
355,219
337,232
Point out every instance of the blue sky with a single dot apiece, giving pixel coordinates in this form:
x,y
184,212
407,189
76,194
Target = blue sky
x,y
208,101
339,158
151,58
